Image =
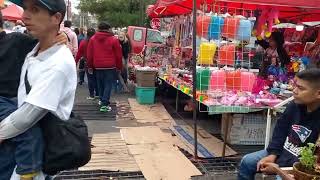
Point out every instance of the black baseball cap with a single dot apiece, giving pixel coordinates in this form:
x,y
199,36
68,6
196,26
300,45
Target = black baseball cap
x,y
53,6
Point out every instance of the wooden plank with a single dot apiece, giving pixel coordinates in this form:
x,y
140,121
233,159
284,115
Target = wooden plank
x,y
188,146
213,144
203,133
162,161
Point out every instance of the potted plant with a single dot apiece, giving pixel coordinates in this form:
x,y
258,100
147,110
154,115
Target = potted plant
x,y
307,168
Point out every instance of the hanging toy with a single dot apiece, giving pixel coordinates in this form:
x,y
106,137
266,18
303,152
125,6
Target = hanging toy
x,y
273,18
260,23
268,17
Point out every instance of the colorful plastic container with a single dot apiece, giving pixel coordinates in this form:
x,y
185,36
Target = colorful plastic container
x,y
244,30
233,80
145,95
203,76
203,23
247,81
227,55
216,27
206,53
230,27
217,80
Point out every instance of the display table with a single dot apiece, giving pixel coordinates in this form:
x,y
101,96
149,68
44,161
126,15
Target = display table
x,y
229,111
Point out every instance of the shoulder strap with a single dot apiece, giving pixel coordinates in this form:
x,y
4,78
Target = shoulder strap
x,y
26,83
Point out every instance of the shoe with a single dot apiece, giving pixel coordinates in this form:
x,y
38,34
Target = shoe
x,y
104,109
109,108
90,98
80,82
99,103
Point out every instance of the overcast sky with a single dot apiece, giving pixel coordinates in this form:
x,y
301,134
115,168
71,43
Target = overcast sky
x,y
74,5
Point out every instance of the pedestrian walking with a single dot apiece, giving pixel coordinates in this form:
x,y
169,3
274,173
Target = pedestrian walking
x,y
105,58
81,59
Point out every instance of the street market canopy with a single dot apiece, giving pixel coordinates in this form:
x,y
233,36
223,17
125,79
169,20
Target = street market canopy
x,y
295,10
12,13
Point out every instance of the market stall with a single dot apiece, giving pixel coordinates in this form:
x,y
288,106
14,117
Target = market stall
x,y
213,60
12,13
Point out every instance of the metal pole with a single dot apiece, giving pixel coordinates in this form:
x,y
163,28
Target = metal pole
x,y
194,74
68,7
141,13
268,129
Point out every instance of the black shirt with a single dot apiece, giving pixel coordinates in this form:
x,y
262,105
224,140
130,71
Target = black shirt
x,y
13,49
125,49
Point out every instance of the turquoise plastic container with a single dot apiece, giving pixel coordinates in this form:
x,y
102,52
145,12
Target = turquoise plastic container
x,y
145,95
215,27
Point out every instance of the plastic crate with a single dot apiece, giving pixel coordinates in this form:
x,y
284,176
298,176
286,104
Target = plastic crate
x,y
145,95
247,129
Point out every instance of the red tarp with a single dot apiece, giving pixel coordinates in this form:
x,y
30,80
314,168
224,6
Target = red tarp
x,y
12,13
296,10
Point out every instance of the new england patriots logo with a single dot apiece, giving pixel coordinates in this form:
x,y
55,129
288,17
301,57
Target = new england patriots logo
x,y
302,132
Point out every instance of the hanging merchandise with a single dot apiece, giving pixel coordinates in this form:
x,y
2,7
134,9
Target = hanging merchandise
x,y
268,17
247,81
227,55
233,80
215,27
203,23
207,53
244,31
217,80
230,27
203,76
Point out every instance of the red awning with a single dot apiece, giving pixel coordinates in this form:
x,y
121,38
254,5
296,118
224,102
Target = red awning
x,y
161,9
12,13
296,10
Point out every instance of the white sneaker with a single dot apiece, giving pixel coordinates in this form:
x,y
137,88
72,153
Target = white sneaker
x,y
90,98
99,103
109,108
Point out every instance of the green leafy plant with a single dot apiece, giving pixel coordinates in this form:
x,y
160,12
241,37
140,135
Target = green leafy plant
x,y
307,157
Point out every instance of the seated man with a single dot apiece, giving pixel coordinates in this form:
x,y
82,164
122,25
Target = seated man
x,y
25,150
297,126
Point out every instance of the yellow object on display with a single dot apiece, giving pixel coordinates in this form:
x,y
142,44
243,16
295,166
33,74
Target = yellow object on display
x,y
206,54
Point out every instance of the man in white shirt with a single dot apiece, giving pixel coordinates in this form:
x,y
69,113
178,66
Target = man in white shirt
x,y
49,68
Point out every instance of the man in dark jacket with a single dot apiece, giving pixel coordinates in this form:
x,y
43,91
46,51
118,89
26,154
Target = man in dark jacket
x,y
105,56
298,125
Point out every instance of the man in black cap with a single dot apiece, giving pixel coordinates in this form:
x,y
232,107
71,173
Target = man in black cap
x,y
13,49
49,68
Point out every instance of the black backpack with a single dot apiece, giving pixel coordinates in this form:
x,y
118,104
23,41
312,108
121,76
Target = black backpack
x,y
67,145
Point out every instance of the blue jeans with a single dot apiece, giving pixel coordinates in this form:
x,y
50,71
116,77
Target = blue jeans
x,y
105,79
92,84
82,73
248,165
24,150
